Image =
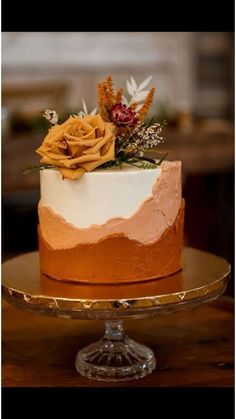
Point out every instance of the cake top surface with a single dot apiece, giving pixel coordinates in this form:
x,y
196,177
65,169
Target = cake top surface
x,y
115,135
125,168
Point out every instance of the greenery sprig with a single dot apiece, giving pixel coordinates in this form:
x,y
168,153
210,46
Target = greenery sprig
x,y
142,162
37,168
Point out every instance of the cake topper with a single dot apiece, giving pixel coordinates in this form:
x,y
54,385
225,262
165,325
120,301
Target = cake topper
x,y
114,134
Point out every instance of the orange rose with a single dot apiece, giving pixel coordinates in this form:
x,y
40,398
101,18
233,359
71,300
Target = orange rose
x,y
79,145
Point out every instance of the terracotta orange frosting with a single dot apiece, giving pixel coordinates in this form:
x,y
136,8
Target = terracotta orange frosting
x,y
116,259
147,244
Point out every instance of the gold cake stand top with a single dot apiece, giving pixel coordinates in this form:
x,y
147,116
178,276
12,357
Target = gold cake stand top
x,y
203,278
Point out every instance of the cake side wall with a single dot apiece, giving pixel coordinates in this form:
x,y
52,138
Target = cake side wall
x,y
116,259
97,196
154,215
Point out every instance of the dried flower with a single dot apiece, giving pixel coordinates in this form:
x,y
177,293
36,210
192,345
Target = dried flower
x,y
51,116
122,115
109,91
137,93
147,103
107,97
85,112
115,135
102,105
143,137
119,94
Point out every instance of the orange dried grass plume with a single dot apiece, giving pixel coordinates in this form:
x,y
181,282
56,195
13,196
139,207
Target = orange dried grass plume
x,y
133,106
102,102
147,103
119,95
108,90
107,97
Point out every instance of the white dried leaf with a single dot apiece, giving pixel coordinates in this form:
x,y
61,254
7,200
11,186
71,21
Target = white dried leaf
x,y
81,113
124,100
84,107
94,111
130,88
133,83
144,83
139,97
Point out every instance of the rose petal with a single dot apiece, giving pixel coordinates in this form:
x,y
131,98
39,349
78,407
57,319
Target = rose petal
x,y
72,173
81,159
107,138
110,155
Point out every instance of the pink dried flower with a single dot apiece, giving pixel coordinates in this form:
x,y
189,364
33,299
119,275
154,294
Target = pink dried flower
x,y
122,115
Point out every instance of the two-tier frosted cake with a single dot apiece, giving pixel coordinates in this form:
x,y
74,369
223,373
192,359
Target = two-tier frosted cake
x,y
109,214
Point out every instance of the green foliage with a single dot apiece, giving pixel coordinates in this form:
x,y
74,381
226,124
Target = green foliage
x,y
37,168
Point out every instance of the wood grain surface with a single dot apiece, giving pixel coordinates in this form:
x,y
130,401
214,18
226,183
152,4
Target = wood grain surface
x,y
193,348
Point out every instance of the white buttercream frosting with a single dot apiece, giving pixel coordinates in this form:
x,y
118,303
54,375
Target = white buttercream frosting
x,y
99,195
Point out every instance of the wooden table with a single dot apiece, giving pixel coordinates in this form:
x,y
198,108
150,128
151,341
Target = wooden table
x,y
193,348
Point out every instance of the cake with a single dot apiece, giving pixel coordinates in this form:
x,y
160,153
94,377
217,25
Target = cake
x,y
108,213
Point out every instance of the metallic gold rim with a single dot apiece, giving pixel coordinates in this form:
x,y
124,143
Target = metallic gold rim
x,y
59,303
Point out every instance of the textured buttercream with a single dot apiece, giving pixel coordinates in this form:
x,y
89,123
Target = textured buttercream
x,y
97,196
153,216
116,259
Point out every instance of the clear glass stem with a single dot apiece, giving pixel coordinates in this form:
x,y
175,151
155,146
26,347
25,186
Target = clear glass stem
x,y
114,330
115,357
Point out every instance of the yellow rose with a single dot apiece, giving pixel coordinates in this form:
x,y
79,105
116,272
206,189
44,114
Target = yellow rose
x,y
79,145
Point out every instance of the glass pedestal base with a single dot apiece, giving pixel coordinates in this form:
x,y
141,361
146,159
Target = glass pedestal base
x,y
116,357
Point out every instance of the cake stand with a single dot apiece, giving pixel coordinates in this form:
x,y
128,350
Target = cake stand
x,y
115,357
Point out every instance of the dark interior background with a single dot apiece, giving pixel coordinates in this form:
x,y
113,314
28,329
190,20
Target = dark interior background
x,y
195,95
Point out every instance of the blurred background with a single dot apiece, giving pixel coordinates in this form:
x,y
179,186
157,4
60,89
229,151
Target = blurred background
x,y
194,76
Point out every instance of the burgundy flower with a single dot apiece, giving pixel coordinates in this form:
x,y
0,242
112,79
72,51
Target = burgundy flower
x,y
122,115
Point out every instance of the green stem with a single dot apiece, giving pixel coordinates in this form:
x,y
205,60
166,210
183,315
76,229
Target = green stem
x,y
32,169
161,160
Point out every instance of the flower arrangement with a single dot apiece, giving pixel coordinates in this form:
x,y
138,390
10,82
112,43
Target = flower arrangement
x,y
112,135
